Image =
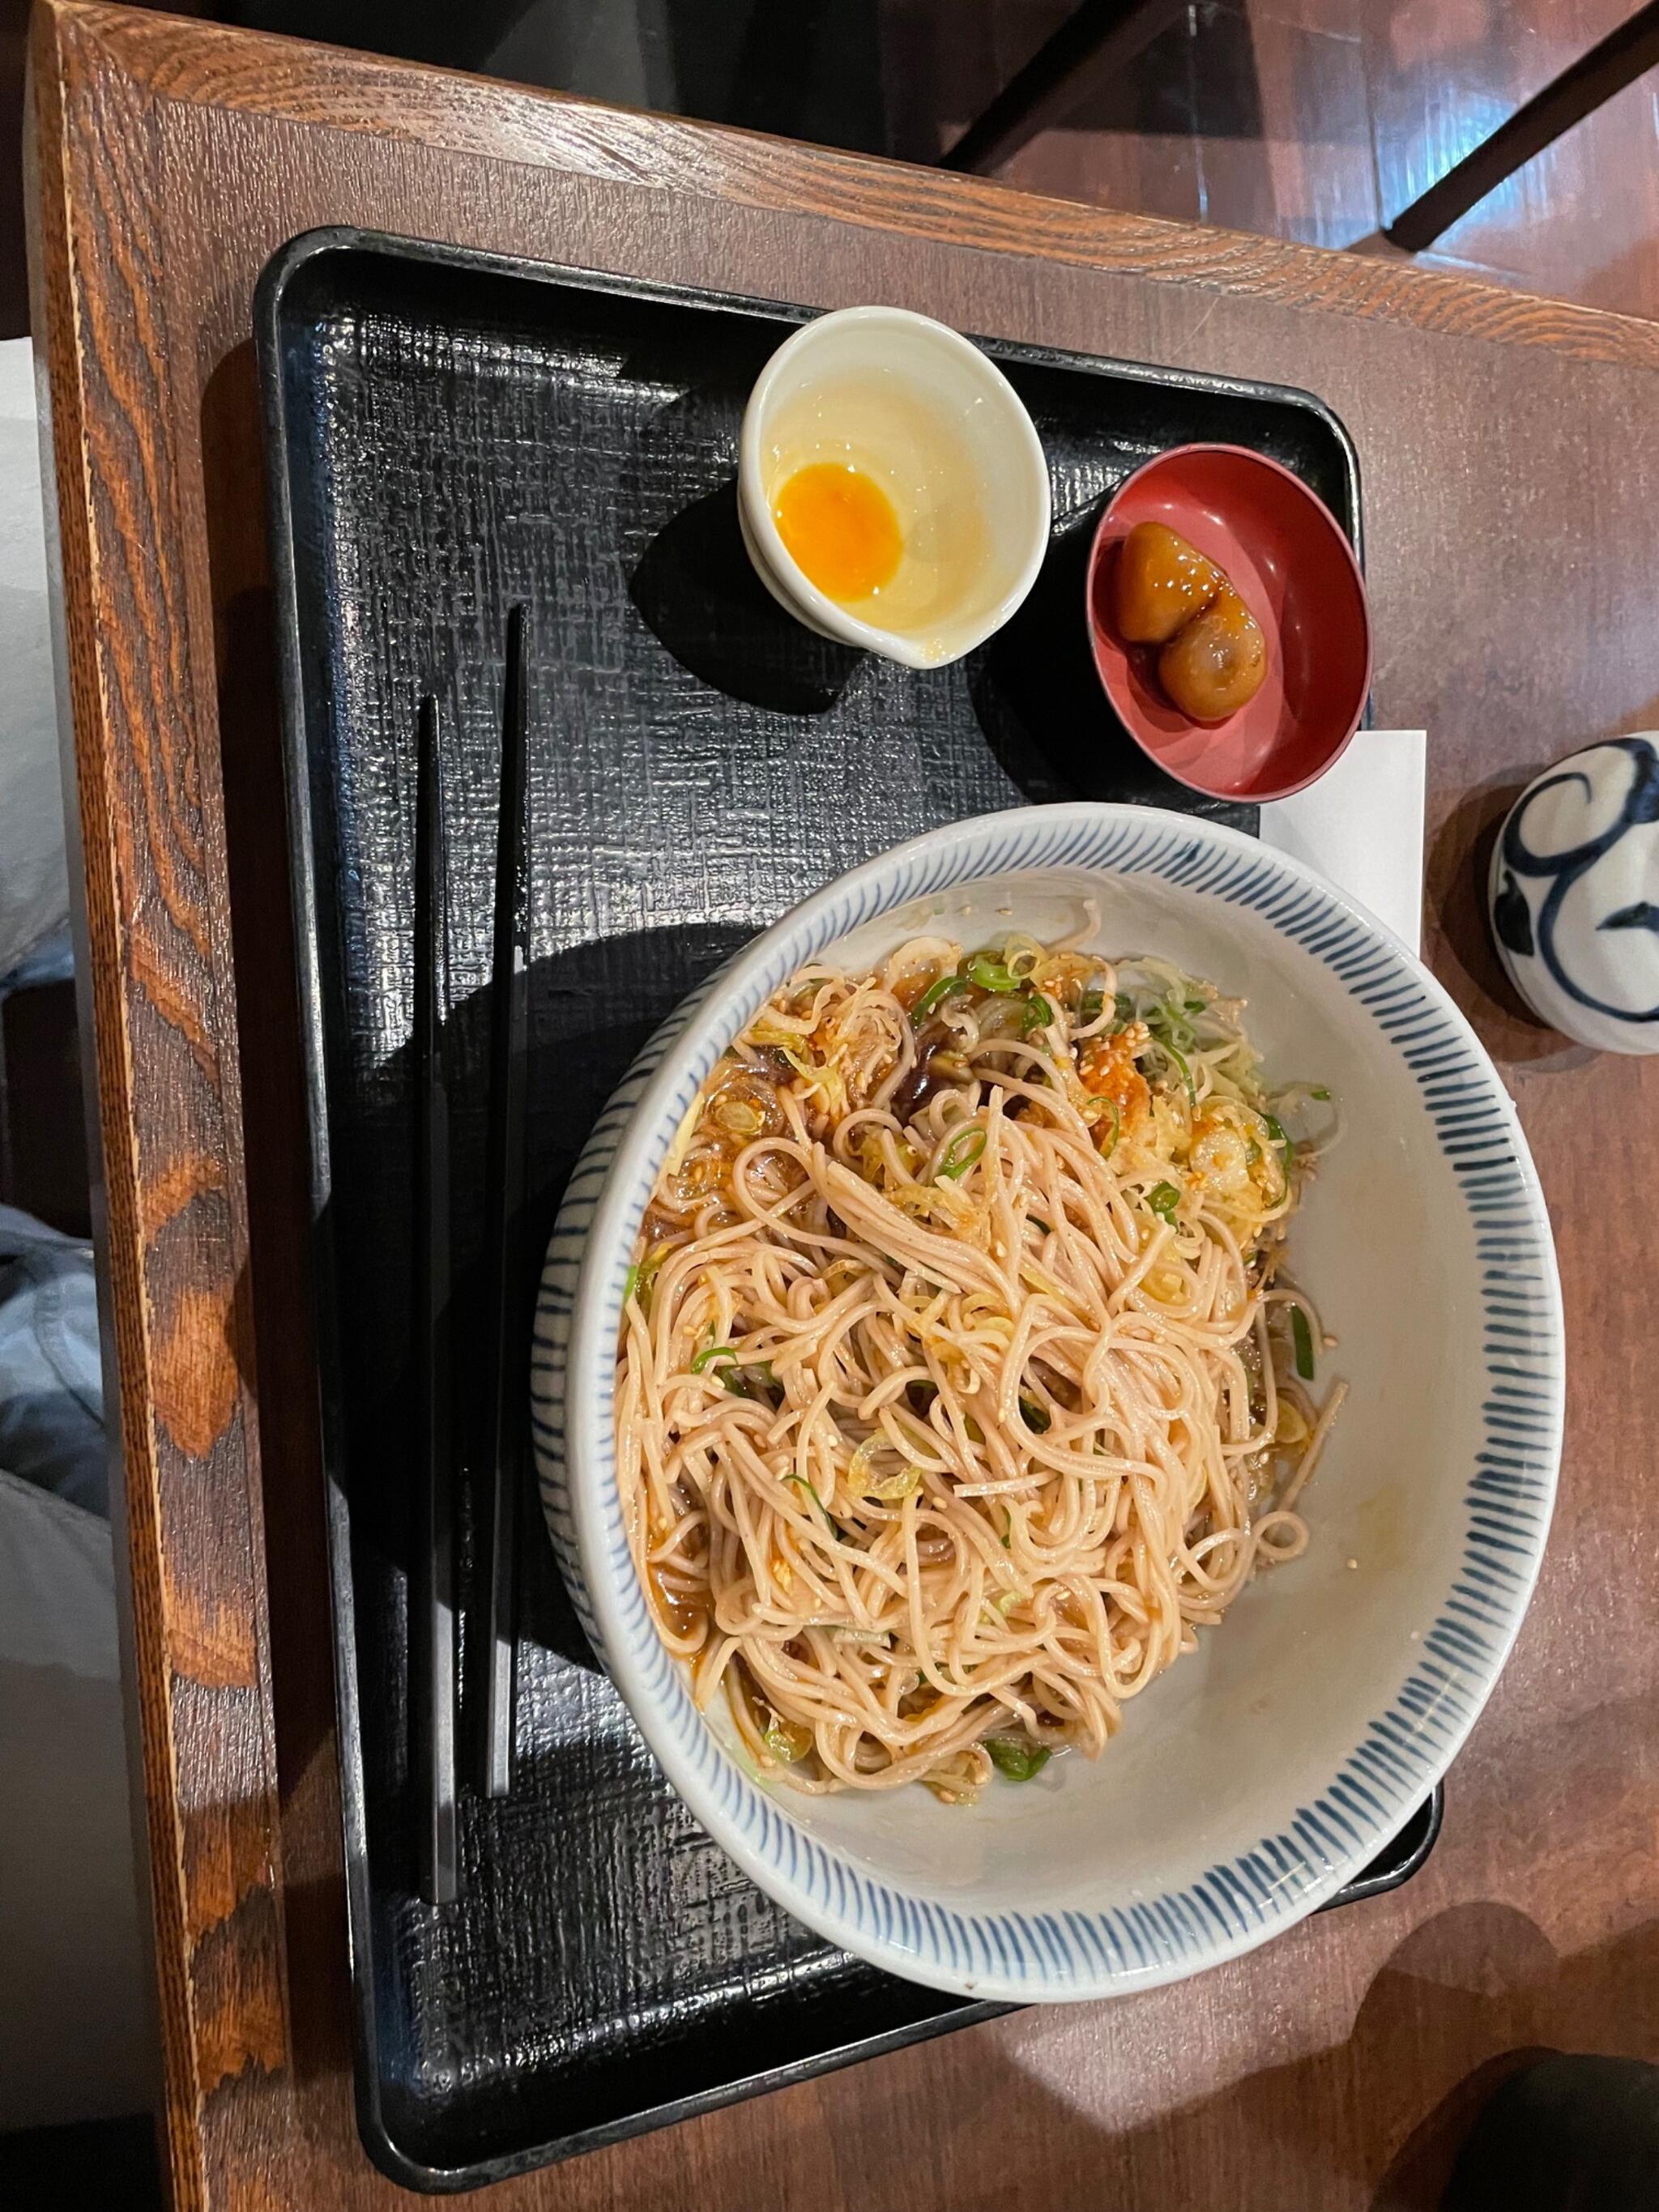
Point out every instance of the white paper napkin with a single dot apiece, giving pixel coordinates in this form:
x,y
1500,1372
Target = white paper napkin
x,y
1361,826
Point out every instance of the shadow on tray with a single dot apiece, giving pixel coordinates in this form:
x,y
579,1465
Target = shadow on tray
x,y
591,1009
696,587
1033,688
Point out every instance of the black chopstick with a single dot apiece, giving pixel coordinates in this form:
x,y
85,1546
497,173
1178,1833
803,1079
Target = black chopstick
x,y
432,1562
492,1644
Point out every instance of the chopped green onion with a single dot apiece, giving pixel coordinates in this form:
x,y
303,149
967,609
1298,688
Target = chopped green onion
x,y
642,1275
788,1741
964,1149
1276,1131
738,1117
1016,1757
748,1380
989,974
1320,1091
1008,1600
889,1489
1037,1417
803,1482
1044,1228
1302,1337
1123,1010
1168,1027
1163,1198
709,1354
1179,1059
1038,1013
935,995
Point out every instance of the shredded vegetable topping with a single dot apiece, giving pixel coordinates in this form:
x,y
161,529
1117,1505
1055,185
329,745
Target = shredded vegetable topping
x,y
958,1386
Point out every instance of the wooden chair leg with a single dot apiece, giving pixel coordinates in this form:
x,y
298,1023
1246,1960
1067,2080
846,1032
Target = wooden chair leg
x,y
1622,56
1107,32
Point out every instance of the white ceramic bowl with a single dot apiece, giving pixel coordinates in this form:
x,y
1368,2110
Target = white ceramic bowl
x,y
1573,895
1262,1772
919,408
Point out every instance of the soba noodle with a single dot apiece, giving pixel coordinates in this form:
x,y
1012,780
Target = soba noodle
x,y
957,1389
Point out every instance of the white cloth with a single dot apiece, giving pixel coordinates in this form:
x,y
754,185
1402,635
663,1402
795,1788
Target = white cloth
x,y
34,886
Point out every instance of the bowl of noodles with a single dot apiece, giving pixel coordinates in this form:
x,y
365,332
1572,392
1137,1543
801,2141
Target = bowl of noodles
x,y
1048,1392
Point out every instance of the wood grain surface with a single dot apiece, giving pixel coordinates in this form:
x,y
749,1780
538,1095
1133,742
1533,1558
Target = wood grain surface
x,y
1511,454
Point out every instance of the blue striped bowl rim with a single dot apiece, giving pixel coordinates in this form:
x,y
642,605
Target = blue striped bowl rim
x,y
1509,1484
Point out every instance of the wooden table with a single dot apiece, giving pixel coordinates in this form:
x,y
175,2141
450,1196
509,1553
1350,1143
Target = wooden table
x,y
1510,453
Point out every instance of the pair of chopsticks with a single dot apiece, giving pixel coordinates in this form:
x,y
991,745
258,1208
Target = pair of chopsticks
x,y
496,1451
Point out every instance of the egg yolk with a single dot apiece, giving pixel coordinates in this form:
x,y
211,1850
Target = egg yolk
x,y
839,530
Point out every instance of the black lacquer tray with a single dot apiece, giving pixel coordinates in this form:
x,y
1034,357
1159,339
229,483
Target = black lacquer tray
x,y
449,435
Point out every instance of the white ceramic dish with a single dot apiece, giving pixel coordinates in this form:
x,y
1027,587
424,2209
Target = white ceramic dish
x,y
1573,894
1259,1775
935,422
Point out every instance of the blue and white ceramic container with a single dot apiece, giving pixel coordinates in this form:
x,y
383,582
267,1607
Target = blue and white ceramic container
x,y
1266,1769
1574,893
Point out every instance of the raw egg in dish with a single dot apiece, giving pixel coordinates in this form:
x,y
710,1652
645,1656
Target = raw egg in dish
x,y
840,529
880,504
892,492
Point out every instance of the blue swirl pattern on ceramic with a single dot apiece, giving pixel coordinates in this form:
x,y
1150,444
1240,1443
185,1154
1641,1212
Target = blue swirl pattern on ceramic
x,y
1499,1503
1575,896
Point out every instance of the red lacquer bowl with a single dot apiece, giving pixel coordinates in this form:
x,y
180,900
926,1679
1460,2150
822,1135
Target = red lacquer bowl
x,y
1296,571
